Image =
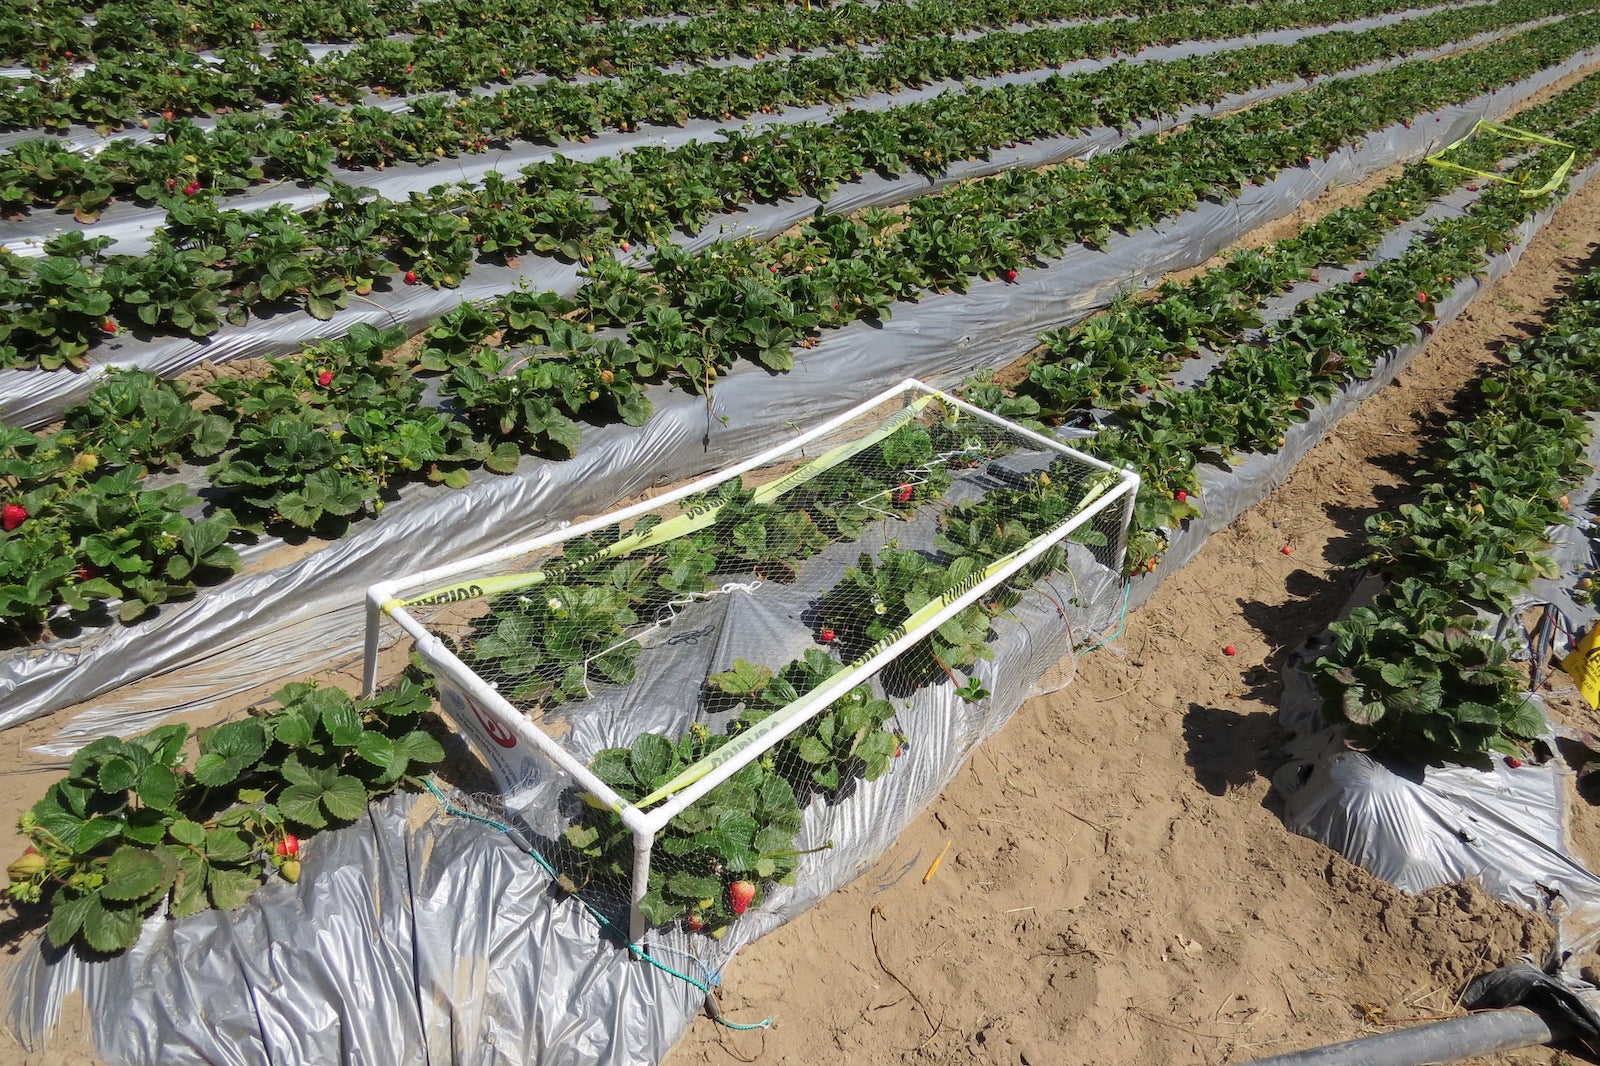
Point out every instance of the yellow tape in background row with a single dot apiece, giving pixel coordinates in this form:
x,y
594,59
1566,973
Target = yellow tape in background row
x,y
703,515
1515,134
1584,666
921,616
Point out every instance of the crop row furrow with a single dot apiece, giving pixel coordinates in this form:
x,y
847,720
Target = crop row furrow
x,y
212,261
1260,390
139,87
43,173
1127,351
330,435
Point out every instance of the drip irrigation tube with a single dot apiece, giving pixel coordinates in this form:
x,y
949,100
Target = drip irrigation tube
x,y
1483,1033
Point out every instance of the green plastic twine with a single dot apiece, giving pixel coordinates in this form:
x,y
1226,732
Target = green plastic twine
x,y
637,950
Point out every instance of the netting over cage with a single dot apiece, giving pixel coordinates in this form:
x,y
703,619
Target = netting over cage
x,y
666,693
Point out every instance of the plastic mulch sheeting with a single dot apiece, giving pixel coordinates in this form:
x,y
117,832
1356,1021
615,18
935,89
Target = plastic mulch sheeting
x,y
268,624
417,936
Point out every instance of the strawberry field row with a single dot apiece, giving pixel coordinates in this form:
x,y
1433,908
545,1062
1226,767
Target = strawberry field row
x,y
146,86
131,826
696,875
1415,672
697,314
1110,359
331,433
1261,389
594,34
189,164
207,258
66,31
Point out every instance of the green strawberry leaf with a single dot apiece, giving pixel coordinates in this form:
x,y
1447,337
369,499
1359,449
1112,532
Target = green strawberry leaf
x,y
110,929
158,787
419,746
186,832
66,919
232,889
133,873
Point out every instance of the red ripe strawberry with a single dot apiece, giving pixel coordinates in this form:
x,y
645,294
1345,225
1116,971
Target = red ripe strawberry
x,y
325,378
903,493
626,247
108,326
1514,763
12,515
1011,276
694,921
828,635
1422,297
1230,650
740,896
191,188
1287,550
289,846
1180,495
86,572
1472,188
1307,160
411,277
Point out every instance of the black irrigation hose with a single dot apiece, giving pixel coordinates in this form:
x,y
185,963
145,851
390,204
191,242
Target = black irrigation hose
x,y
1478,1034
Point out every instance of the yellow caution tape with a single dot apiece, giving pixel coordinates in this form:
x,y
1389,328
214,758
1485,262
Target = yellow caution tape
x,y
697,518
1584,666
921,616
1515,134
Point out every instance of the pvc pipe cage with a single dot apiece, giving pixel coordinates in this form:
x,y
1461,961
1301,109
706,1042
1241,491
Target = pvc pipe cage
x,y
511,745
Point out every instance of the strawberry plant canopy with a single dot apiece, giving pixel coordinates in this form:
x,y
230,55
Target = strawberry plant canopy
x,y
665,692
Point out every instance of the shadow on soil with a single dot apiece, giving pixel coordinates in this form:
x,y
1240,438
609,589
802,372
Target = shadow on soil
x,y
1227,749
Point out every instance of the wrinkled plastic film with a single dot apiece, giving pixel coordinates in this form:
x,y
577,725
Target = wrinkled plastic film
x,y
439,939
1419,827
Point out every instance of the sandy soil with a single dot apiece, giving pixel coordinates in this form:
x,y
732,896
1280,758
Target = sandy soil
x,y
1120,888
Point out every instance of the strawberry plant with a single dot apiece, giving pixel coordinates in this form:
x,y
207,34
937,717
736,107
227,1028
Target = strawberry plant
x,y
170,288
135,824
740,832
550,645
1410,677
849,739
879,593
134,417
56,306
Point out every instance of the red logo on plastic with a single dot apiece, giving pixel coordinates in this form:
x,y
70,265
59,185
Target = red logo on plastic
x,y
496,731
